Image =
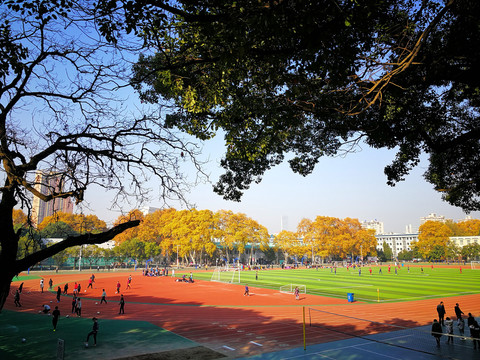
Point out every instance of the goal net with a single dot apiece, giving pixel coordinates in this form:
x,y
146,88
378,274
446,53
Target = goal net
x,y
230,275
290,289
475,265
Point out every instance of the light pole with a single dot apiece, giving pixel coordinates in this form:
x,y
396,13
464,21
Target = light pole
x,y
312,256
177,257
80,259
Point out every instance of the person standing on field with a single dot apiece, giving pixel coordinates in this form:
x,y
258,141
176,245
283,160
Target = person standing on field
x,y
41,285
470,321
247,291
475,334
59,293
55,316
449,327
441,313
437,331
297,293
458,312
78,307
461,327
122,305
104,296
93,332
16,299
74,303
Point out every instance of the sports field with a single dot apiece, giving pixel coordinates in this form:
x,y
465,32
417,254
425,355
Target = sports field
x,y
405,284
207,320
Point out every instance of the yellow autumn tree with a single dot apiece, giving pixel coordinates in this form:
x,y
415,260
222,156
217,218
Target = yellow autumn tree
x,y
132,233
325,230
258,237
355,240
432,235
80,223
225,231
469,227
19,217
285,241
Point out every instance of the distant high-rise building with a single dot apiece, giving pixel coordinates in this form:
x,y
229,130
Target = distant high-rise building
x,y
284,223
432,217
409,229
47,183
375,225
148,210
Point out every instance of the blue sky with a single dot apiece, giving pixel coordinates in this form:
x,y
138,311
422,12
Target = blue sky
x,y
351,186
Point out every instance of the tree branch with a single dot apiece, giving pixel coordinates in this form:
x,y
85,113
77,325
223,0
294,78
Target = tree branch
x,y
70,241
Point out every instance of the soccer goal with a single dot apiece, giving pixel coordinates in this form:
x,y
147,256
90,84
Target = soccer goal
x,y
475,265
230,275
290,289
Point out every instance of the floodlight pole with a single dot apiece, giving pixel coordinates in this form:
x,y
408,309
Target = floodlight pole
x,y
80,259
312,255
177,257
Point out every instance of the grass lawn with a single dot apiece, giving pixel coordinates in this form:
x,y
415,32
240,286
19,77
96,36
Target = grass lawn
x,y
406,285
113,338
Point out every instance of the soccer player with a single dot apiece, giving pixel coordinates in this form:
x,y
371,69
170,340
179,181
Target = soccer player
x,y
122,305
104,295
93,332
56,315
16,299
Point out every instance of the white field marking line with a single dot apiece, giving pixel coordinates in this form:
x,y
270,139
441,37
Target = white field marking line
x,y
430,296
346,287
320,353
228,347
381,354
255,343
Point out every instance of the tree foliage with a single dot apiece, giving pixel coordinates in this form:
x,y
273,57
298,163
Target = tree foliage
x,y
314,79
62,112
79,223
470,251
433,240
387,252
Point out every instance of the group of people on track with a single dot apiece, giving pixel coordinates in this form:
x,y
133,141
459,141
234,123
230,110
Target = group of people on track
x,y
448,323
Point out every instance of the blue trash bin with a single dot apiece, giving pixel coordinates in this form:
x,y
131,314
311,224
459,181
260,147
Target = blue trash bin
x,y
350,297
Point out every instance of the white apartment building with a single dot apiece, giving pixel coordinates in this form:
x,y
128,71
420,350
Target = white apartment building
x,y
375,225
397,242
432,217
148,210
461,241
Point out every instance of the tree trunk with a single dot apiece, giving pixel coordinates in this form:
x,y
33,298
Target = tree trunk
x,y
10,266
5,282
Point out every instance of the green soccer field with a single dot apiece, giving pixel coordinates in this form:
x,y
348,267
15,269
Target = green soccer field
x,y
406,285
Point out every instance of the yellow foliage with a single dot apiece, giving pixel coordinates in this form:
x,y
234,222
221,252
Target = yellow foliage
x,y
79,222
19,217
431,234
